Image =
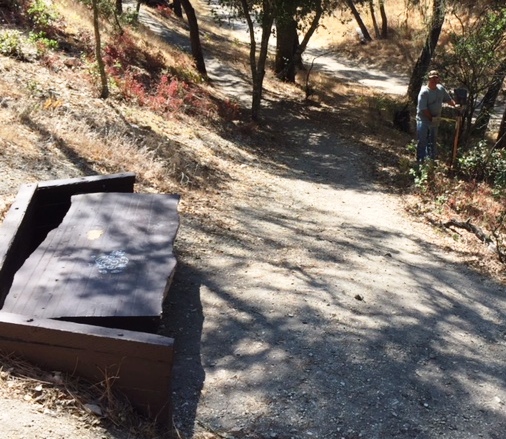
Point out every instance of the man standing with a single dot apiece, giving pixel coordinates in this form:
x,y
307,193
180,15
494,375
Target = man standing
x,y
428,114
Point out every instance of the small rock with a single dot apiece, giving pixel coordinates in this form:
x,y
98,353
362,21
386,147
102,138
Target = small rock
x,y
359,297
93,408
72,62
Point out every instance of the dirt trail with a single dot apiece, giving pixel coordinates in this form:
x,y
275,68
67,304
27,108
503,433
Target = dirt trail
x,y
320,310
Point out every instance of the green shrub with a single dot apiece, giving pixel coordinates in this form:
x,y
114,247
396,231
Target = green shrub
x,y
130,17
42,42
42,15
483,164
11,44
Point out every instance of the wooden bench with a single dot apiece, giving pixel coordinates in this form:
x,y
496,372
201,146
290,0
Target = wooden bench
x,y
98,262
111,257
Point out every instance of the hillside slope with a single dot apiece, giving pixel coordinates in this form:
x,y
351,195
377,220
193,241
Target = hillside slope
x,y
306,302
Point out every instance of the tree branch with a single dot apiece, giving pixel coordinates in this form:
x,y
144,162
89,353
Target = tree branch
x,y
483,237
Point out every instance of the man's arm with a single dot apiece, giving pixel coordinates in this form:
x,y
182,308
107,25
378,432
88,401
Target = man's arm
x,y
448,99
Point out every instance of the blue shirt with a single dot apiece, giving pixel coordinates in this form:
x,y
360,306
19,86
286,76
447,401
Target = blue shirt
x,y
431,100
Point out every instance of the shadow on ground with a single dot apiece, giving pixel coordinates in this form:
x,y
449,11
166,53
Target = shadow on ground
x,y
321,313
309,319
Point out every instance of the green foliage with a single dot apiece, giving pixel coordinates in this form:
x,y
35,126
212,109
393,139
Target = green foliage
x,y
483,164
477,47
42,42
16,45
411,146
42,19
430,177
475,51
42,15
106,8
11,44
421,175
130,17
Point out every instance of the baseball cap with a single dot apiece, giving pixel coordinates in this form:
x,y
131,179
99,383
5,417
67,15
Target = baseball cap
x,y
433,74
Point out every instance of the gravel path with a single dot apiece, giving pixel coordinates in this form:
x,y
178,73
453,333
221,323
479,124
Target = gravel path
x,y
320,310
306,304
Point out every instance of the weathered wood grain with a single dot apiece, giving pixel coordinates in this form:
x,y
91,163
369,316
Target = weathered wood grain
x,y
111,256
140,363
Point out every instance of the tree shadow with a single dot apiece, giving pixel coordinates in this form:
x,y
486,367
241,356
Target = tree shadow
x,y
304,321
182,320
329,364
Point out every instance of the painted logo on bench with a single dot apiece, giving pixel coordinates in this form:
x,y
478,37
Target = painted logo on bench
x,y
114,262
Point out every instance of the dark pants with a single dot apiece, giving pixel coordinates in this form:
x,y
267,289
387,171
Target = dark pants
x,y
427,135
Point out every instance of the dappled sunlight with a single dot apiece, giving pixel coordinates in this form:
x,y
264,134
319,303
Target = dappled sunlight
x,y
305,303
323,309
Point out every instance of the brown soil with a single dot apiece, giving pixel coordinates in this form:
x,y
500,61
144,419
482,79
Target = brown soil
x,y
306,303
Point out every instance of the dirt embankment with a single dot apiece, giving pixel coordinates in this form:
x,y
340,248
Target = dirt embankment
x,y
307,304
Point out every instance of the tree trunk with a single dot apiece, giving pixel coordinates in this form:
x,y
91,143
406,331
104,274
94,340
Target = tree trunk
x,y
425,58
267,23
119,7
483,119
104,93
177,8
258,67
197,54
501,137
358,18
303,44
384,20
373,18
286,47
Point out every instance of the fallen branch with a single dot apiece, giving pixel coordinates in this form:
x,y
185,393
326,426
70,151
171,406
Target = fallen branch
x,y
482,236
470,228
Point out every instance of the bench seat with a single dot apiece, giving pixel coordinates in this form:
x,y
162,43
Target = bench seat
x,y
112,256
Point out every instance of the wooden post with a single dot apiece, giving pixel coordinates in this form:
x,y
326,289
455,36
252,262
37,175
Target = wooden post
x,y
456,139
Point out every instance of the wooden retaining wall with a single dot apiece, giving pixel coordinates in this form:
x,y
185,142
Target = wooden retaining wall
x,y
140,362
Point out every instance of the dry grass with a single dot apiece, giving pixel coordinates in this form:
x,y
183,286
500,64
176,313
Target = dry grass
x,y
406,27
54,392
53,125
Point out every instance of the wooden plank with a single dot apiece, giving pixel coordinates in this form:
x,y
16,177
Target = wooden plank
x,y
37,209
141,363
16,237
65,188
111,257
52,199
